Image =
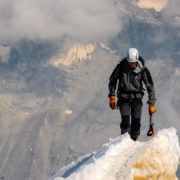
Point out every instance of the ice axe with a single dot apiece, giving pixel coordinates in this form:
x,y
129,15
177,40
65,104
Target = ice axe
x,y
151,127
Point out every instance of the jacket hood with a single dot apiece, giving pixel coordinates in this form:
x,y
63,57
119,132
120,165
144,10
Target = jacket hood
x,y
140,65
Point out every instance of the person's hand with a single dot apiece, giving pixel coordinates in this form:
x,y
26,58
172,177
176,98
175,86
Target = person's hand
x,y
152,109
112,102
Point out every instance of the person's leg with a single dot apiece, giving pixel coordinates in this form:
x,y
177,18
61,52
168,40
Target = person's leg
x,y
136,110
124,107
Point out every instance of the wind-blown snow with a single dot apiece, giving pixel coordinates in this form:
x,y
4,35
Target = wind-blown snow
x,y
124,159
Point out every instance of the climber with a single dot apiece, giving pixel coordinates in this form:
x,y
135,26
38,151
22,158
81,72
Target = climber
x,y
130,74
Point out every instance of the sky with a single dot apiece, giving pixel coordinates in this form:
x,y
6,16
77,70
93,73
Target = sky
x,y
50,21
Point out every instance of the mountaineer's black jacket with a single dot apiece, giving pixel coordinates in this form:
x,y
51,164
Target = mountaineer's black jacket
x,y
131,81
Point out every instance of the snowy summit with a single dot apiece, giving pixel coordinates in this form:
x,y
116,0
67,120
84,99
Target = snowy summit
x,y
125,159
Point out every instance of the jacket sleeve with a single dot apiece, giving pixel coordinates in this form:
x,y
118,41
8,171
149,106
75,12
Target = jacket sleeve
x,y
113,81
147,79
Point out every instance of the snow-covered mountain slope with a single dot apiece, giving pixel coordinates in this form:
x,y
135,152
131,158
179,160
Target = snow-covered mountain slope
x,y
51,131
131,9
76,53
157,5
124,159
47,140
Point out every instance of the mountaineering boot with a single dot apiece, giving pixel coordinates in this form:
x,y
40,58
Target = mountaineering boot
x,y
123,130
134,138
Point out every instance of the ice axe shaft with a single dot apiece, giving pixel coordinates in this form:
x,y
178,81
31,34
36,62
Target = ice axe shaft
x,y
151,127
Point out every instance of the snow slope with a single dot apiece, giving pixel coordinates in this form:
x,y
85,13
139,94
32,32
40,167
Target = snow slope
x,y
124,159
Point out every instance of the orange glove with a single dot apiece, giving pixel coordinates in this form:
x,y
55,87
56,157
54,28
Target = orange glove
x,y
112,102
152,109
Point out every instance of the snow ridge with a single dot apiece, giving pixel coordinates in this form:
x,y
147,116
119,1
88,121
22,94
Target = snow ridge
x,y
124,159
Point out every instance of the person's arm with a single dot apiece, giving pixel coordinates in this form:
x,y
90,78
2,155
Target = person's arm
x,y
113,81
147,79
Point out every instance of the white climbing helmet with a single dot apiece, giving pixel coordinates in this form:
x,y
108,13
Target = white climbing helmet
x,y
132,55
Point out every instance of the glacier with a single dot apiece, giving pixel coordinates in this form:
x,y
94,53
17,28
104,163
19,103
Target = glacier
x,y
124,159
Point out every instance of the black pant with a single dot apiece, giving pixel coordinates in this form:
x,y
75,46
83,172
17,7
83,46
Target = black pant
x,y
130,108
